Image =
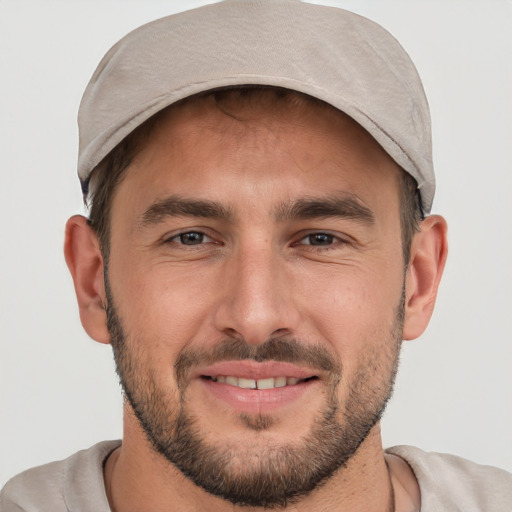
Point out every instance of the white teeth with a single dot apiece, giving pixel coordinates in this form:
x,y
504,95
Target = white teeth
x,y
267,383
233,381
246,383
280,382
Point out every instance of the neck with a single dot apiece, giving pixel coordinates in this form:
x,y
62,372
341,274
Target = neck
x,y
137,478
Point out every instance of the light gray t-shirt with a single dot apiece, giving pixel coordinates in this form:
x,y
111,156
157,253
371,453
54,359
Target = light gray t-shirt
x,y
447,483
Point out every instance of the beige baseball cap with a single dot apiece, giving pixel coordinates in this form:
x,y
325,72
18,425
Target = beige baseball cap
x,y
326,52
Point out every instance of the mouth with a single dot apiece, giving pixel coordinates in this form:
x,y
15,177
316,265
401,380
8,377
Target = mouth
x,y
251,386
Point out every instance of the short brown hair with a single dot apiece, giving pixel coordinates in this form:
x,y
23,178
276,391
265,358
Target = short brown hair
x,y
107,175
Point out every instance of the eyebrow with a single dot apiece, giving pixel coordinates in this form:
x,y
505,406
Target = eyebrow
x,y
345,206
176,206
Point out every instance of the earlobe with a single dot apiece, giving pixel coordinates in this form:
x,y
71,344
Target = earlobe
x,y
428,257
85,262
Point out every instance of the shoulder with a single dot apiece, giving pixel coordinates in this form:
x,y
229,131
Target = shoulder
x,y
451,483
64,485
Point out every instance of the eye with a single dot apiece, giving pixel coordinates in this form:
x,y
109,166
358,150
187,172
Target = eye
x,y
318,239
190,238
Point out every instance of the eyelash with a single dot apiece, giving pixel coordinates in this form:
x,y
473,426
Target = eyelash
x,y
178,238
335,241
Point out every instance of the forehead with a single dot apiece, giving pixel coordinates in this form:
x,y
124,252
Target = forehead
x,y
247,108
253,140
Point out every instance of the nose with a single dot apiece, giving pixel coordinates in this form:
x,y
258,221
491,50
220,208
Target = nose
x,y
257,301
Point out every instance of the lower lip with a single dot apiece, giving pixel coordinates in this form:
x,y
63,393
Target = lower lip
x,y
257,400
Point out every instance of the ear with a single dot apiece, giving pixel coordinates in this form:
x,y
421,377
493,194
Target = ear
x,y
428,257
85,262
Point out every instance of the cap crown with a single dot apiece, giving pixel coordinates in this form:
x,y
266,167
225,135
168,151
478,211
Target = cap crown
x,y
329,53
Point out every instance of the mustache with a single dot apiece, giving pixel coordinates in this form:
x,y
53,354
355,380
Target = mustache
x,y
274,349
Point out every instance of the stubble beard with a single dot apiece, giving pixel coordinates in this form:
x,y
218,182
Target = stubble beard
x,y
272,476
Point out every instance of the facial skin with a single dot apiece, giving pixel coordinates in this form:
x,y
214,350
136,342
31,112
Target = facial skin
x,y
260,244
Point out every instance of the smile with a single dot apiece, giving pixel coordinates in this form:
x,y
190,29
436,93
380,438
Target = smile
x,y
257,387
265,383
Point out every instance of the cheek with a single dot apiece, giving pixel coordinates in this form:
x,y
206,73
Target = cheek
x,y
358,319
352,307
160,308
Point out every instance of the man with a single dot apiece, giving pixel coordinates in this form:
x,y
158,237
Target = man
x,y
258,174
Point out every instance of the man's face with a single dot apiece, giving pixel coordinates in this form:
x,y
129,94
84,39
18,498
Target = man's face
x,y
256,294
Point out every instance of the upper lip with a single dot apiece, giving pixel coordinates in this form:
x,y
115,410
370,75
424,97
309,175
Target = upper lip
x,y
248,369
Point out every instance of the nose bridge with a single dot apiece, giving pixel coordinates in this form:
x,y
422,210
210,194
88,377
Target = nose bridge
x,y
257,301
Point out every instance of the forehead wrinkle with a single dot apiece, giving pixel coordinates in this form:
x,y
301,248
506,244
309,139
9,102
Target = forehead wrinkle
x,y
179,206
347,206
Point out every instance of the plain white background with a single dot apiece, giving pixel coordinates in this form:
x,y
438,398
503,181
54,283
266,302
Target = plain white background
x,y
58,390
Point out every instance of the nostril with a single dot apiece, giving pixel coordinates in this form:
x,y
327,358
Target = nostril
x,y
233,334
282,331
